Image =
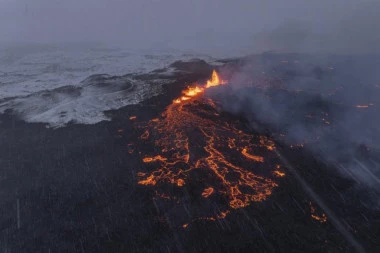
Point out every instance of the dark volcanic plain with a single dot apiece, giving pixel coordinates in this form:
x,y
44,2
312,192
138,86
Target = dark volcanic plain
x,y
75,188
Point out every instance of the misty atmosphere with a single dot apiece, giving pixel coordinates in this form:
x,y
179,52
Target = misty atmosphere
x,y
189,126
211,27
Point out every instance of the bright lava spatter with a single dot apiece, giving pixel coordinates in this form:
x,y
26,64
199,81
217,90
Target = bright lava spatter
x,y
191,136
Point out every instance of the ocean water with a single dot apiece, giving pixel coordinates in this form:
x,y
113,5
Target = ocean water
x,y
50,83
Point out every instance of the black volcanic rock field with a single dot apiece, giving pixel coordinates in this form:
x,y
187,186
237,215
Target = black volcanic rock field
x,y
281,158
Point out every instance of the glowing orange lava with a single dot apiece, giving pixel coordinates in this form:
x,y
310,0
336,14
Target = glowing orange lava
x,y
193,91
255,158
207,192
221,149
279,173
321,218
215,80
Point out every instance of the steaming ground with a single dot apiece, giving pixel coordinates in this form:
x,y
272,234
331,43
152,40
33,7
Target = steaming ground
x,y
58,85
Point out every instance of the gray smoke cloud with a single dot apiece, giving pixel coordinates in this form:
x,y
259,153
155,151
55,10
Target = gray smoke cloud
x,y
354,32
215,26
328,104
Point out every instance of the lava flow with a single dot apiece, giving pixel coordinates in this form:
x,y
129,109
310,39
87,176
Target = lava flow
x,y
197,146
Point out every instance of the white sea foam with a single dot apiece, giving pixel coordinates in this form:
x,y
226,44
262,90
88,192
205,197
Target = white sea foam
x,y
45,84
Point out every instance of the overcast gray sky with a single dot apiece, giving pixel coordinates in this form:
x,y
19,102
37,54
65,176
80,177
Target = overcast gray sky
x,y
204,25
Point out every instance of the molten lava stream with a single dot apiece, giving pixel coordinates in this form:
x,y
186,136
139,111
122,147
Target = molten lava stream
x,y
195,140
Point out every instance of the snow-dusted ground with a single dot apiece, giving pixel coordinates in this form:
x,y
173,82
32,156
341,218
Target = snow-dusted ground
x,y
46,84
